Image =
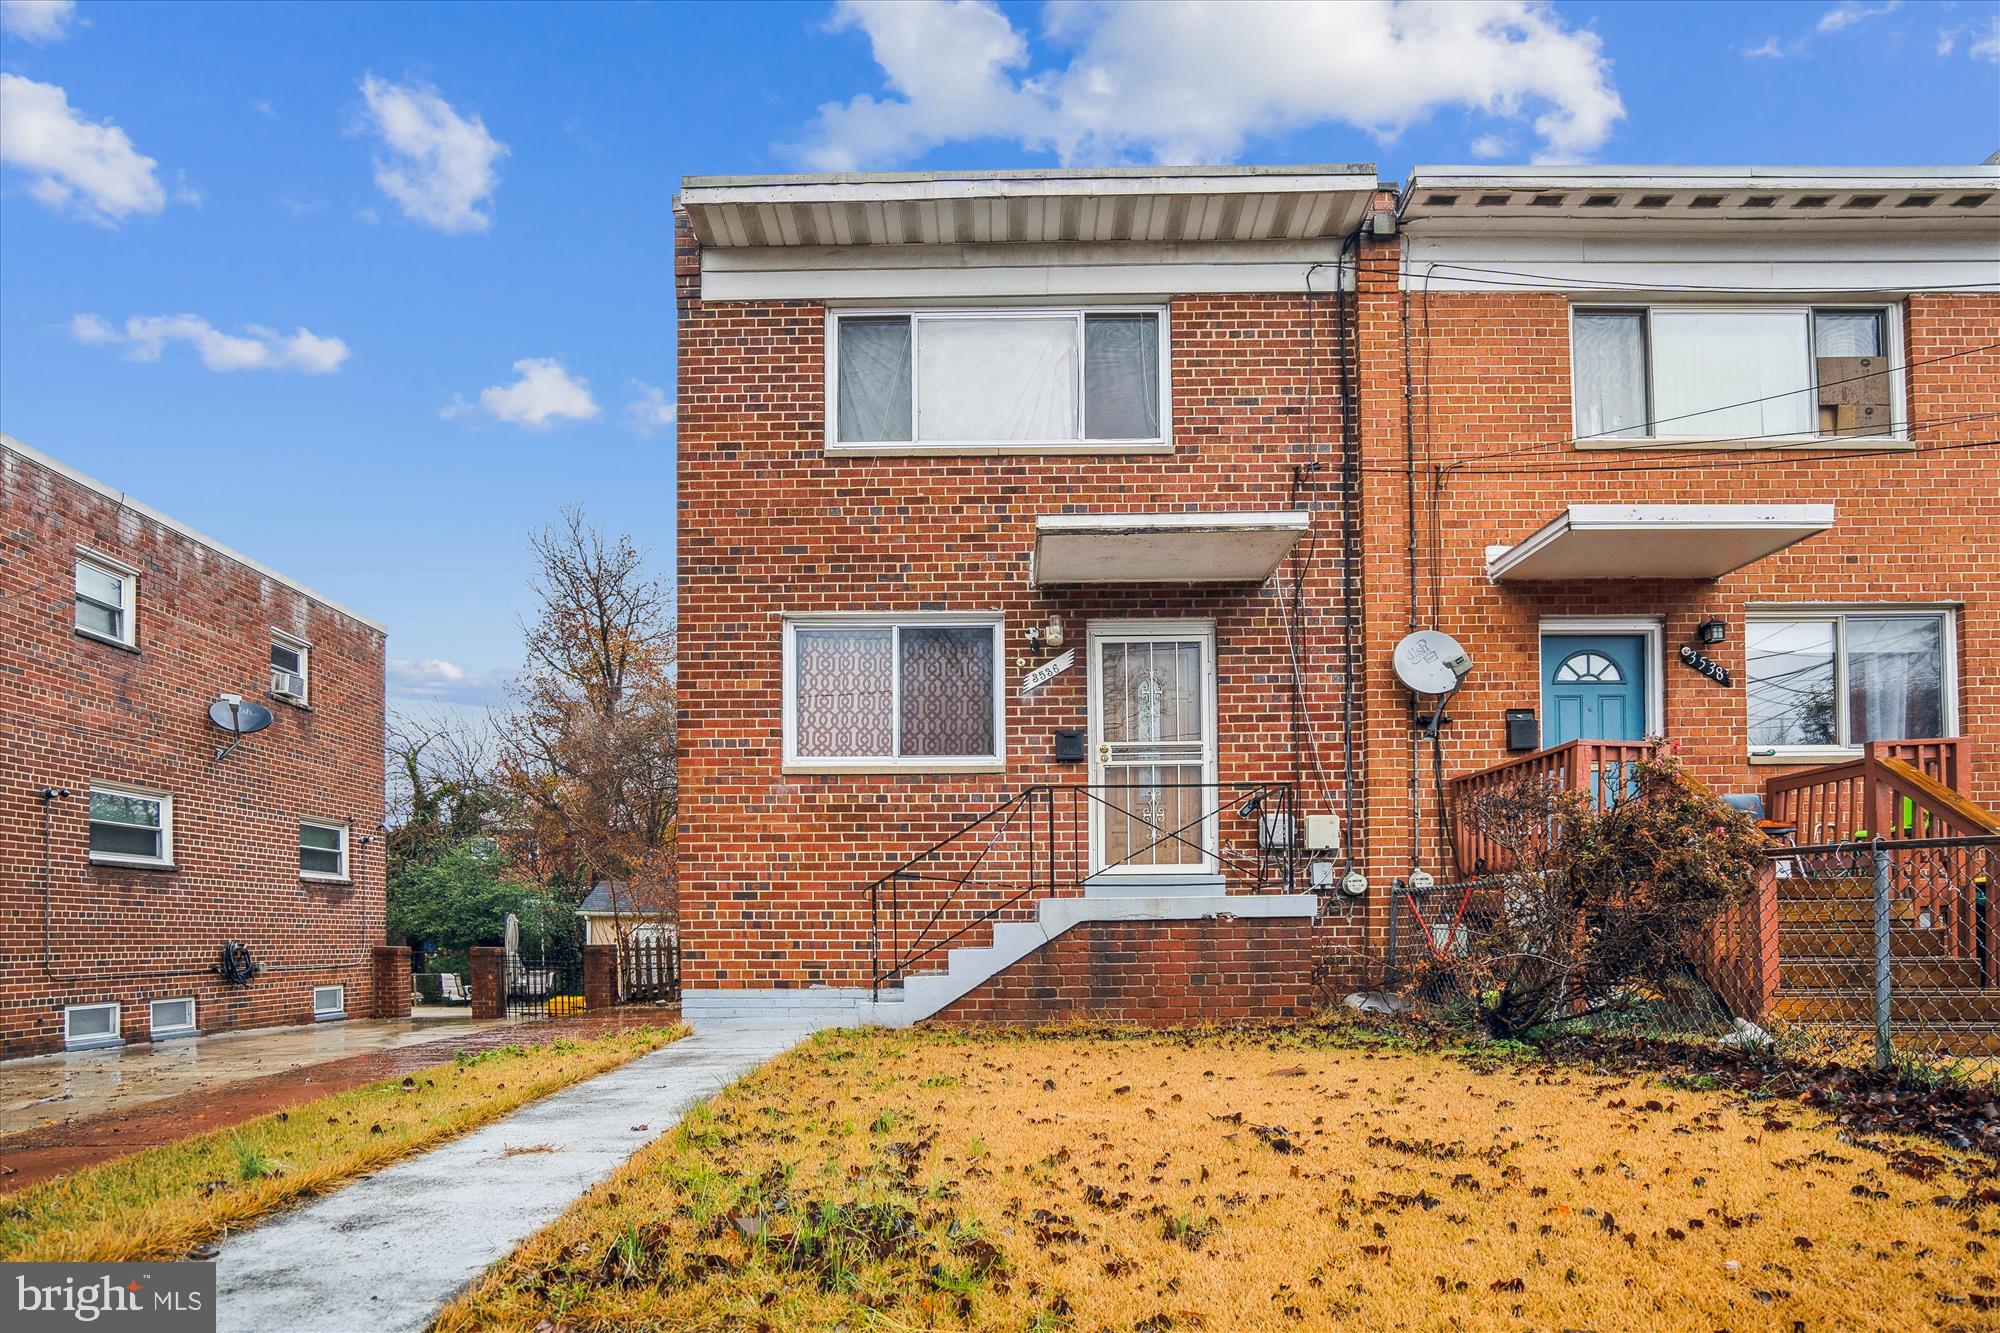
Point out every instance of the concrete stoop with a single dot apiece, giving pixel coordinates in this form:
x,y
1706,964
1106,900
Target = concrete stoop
x,y
925,994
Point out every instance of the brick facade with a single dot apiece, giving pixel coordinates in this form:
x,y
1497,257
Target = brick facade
x,y
773,864
74,710
1153,973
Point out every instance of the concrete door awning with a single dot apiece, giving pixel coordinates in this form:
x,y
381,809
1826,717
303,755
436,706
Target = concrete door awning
x,y
1598,541
1233,547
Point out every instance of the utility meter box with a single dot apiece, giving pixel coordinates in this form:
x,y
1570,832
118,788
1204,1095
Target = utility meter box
x,y
1322,833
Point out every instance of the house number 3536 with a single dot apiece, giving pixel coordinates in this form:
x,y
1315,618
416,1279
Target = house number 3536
x,y
1694,661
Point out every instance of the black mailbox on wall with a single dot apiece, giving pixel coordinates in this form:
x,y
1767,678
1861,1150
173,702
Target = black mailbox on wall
x,y
1069,747
1523,732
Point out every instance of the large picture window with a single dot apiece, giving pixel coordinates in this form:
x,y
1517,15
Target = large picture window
x,y
1830,681
998,378
1734,372
916,692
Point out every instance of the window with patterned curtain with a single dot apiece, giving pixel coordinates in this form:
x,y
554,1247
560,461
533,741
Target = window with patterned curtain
x,y
844,698
894,691
947,691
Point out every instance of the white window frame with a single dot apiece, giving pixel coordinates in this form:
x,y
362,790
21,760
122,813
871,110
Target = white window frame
x,y
165,859
116,1037
1656,437
1837,614
1161,443
128,612
345,874
339,1010
187,1029
293,643
987,620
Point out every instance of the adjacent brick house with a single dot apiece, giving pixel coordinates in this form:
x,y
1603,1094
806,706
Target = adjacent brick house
x,y
129,853
1043,535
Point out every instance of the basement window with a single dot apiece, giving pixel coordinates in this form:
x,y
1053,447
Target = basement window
x,y
911,692
172,1018
1820,683
1741,373
998,379
86,1026
329,1003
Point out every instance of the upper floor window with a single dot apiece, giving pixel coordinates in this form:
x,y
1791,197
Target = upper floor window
x,y
998,378
1831,680
1734,372
107,595
322,850
288,667
920,692
131,825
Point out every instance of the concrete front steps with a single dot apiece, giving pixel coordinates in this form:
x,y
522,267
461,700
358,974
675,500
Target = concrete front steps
x,y
1179,899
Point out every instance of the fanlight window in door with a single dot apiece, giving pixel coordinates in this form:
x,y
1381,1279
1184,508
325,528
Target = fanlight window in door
x,y
1589,668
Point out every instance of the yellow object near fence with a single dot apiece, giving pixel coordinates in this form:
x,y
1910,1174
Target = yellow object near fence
x,y
561,1006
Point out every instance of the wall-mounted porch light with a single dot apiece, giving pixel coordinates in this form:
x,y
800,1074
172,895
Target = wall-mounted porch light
x,y
1711,631
1049,636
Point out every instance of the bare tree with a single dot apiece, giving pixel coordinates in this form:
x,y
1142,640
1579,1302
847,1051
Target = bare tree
x,y
442,787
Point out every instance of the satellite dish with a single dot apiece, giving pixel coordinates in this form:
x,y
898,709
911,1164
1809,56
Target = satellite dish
x,y
238,718
1431,662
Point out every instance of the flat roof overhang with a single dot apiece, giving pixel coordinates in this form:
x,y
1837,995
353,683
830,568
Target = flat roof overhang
x,y
1600,541
1233,547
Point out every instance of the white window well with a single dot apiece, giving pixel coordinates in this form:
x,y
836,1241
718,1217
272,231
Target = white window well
x,y
88,1025
909,692
329,1002
322,850
289,656
1735,373
173,1018
131,825
1819,683
107,597
1005,378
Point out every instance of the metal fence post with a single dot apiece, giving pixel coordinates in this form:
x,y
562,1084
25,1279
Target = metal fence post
x,y
1882,955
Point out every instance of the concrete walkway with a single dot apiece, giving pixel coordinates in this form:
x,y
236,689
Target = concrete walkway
x,y
386,1252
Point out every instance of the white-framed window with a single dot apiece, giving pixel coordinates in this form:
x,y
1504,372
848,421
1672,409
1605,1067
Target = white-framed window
x,y
1739,372
916,691
322,850
329,1002
1820,682
173,1018
131,825
107,599
88,1025
289,658
1090,378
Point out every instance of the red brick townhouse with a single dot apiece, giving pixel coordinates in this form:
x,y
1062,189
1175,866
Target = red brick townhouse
x,y
161,876
1703,453
1045,538
1008,503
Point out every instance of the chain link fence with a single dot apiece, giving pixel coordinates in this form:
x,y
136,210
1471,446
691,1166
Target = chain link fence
x,y
1882,953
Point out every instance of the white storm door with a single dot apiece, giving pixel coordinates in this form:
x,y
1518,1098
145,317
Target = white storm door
x,y
1152,729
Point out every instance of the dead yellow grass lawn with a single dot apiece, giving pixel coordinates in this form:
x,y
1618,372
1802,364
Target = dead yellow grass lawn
x,y
1234,1182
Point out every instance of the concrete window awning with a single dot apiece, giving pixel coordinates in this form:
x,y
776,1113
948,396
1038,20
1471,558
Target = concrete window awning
x,y
1165,548
1597,541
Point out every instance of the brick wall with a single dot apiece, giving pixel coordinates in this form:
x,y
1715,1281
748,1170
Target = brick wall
x,y
773,864
1156,973
74,710
1491,374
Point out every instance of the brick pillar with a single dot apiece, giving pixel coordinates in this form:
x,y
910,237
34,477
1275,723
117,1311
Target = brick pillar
x,y
392,980
489,982
600,976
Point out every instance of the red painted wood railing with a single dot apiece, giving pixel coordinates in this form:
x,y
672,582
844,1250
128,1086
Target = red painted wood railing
x,y
1601,768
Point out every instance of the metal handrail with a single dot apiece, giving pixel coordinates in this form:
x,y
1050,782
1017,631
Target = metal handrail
x,y
1032,815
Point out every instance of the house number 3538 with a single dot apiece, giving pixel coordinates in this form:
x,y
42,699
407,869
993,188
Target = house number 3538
x,y
1694,661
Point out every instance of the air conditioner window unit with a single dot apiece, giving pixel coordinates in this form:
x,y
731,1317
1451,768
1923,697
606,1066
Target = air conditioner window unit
x,y
287,683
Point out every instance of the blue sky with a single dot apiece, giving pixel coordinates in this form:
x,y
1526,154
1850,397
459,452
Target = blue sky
x,y
367,291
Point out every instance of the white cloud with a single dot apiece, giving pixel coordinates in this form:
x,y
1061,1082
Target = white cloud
x,y
650,410
37,21
542,394
440,166
1985,44
1850,12
145,338
1492,145
1770,49
78,166
1194,82
437,680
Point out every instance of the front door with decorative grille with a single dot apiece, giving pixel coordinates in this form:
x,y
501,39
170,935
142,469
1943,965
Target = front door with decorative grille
x,y
1152,724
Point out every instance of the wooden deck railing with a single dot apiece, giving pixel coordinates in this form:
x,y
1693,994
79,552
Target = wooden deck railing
x,y
1897,789
1601,768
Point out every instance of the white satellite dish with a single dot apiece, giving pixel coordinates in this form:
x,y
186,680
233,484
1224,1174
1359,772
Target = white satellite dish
x,y
1431,662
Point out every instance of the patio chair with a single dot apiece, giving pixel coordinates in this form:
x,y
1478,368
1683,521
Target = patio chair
x,y
454,989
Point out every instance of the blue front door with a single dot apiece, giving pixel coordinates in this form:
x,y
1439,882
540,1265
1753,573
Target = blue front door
x,y
1593,688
